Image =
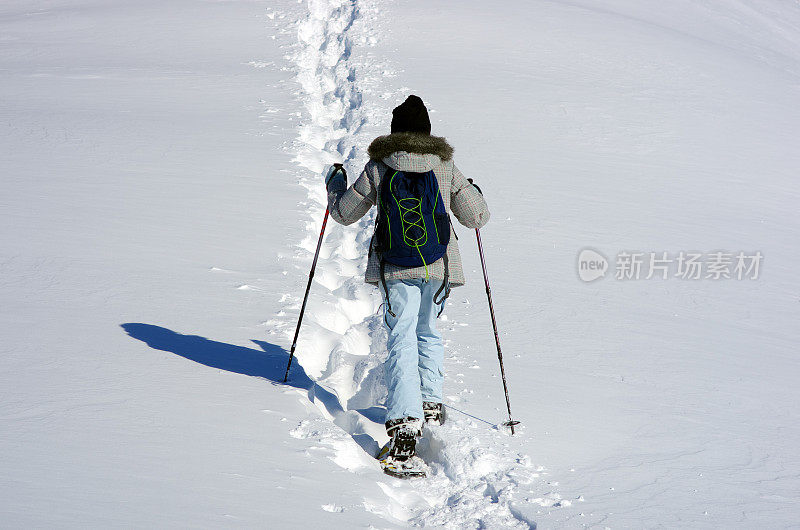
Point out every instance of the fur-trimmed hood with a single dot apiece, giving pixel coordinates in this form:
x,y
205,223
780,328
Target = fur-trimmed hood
x,y
422,144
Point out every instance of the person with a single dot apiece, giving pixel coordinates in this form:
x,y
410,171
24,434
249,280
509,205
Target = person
x,y
413,296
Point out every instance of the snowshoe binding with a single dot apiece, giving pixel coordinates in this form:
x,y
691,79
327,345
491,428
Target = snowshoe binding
x,y
399,458
434,413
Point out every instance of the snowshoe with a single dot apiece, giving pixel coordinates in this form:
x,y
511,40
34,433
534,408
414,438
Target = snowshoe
x,y
413,467
434,413
398,457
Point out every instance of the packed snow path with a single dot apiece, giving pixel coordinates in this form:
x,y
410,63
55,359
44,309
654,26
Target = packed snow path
x,y
476,477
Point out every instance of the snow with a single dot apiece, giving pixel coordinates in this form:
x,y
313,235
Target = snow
x,y
162,202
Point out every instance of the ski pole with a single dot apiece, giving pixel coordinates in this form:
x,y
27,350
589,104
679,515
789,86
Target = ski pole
x,y
338,167
305,298
510,423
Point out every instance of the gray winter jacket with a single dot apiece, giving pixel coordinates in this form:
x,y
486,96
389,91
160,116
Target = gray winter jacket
x,y
416,153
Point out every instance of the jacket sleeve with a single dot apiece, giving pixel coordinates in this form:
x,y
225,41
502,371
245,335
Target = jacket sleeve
x,y
467,202
348,205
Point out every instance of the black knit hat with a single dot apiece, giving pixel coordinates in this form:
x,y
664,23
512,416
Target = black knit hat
x,y
411,116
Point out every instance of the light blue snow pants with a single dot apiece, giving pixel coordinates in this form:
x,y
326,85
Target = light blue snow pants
x,y
414,368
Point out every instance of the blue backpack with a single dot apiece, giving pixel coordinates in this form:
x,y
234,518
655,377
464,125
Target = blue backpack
x,y
412,227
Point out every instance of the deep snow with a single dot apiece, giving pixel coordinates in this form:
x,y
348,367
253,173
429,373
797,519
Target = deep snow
x,y
161,203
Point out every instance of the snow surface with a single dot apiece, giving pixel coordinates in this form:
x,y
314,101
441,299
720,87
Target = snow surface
x,y
161,204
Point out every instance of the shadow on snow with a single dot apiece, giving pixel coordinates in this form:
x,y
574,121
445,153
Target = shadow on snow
x,y
269,362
